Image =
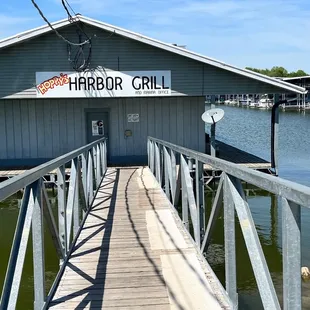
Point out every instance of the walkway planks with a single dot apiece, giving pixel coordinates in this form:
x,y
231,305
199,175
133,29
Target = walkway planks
x,y
237,156
133,253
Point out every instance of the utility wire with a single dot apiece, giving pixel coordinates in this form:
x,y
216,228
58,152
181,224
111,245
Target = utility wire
x,y
57,33
65,7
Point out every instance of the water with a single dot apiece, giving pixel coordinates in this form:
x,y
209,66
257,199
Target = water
x,y
249,130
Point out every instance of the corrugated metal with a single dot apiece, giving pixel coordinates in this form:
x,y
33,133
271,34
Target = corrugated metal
x,y
48,53
41,128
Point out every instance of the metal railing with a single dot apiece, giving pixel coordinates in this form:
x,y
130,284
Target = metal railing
x,y
180,171
88,166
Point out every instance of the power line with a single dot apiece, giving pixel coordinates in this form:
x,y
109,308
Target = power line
x,y
65,7
57,33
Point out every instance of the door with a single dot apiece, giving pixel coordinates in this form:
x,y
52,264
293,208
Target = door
x,y
97,125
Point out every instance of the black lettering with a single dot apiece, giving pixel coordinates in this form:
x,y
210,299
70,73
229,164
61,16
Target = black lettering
x,y
91,82
145,82
109,83
82,82
100,85
155,84
73,83
133,83
118,82
163,83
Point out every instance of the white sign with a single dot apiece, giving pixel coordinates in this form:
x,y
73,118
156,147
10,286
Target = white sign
x,y
133,118
97,128
101,83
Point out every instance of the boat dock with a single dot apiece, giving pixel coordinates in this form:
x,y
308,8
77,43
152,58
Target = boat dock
x,y
237,156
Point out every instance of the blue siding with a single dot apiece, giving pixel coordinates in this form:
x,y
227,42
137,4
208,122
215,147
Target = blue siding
x,y
49,128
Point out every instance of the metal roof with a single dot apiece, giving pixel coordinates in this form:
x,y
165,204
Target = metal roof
x,y
296,78
156,43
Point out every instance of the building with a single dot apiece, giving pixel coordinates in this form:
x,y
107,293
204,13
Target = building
x,y
134,86
302,100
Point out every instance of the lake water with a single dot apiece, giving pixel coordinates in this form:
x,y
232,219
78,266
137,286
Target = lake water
x,y
249,130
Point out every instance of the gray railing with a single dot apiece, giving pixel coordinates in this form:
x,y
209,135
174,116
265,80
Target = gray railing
x,y
180,171
88,166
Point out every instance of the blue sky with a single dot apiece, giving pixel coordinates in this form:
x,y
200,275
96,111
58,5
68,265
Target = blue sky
x,y
256,33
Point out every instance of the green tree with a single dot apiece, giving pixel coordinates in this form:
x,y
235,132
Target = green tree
x,y
278,72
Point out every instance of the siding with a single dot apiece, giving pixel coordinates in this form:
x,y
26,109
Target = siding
x,y
45,129
49,53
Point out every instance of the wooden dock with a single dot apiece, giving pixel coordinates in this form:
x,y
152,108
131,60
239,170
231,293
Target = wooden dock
x,y
237,156
134,253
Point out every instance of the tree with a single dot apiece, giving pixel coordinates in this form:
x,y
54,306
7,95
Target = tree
x,y
278,72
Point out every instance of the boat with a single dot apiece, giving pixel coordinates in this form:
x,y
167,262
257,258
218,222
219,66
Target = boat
x,y
264,102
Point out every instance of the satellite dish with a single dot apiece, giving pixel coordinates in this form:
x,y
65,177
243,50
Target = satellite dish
x,y
212,116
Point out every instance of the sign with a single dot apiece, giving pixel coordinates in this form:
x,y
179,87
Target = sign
x,y
97,128
101,83
133,118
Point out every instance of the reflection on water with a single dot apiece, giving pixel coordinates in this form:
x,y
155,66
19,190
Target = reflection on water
x,y
249,130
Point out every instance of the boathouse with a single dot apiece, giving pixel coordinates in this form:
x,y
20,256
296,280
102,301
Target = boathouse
x,y
56,96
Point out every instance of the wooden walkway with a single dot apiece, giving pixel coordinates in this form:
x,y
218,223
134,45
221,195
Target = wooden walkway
x,y
133,253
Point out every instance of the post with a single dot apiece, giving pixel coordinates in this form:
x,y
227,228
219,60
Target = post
x,y
291,255
230,244
84,175
184,194
98,167
62,221
90,180
157,163
38,247
274,134
200,197
76,205
173,175
166,172
213,149
212,101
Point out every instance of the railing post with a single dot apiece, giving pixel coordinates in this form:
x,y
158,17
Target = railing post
x,y
98,169
291,255
18,252
102,158
38,248
157,164
72,202
152,159
148,153
76,206
200,197
84,174
90,180
184,194
62,220
173,175
94,155
230,244
166,173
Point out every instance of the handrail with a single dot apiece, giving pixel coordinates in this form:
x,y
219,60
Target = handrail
x,y
293,191
88,167
13,185
180,171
